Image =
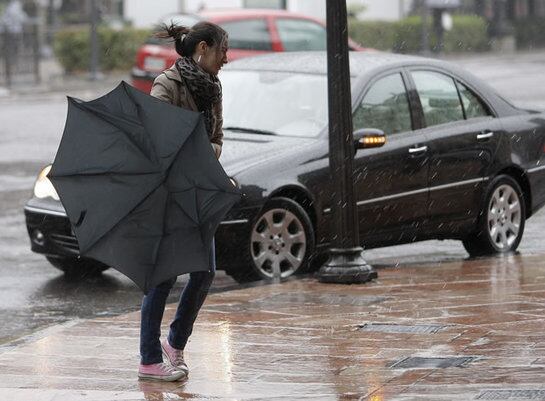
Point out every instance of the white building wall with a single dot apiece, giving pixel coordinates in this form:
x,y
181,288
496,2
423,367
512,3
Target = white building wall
x,y
374,9
314,8
383,9
145,14
194,5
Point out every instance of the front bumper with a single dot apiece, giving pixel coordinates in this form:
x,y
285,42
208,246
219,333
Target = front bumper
x,y
51,234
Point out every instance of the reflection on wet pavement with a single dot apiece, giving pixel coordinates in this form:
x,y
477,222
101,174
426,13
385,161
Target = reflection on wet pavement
x,y
469,329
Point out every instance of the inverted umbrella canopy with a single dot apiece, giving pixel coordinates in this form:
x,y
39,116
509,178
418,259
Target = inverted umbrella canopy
x,y
141,185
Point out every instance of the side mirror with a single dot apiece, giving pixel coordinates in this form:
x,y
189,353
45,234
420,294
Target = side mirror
x,y
366,138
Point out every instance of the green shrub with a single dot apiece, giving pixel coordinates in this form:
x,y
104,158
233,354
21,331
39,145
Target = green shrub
x,y
408,34
530,33
469,33
117,48
376,34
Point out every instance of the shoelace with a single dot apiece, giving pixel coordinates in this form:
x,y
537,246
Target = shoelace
x,y
178,357
167,367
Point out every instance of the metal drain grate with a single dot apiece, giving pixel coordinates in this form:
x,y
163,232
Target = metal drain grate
x,y
400,328
512,395
417,362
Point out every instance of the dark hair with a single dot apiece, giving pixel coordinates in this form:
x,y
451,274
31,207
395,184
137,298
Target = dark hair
x,y
186,39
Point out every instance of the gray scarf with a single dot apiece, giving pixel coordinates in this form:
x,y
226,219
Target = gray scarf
x,y
204,87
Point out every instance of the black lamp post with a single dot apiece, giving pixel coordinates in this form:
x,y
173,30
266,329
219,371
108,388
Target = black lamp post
x,y
94,73
346,263
424,31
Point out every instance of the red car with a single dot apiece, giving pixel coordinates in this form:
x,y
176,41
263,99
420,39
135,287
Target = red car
x,y
251,32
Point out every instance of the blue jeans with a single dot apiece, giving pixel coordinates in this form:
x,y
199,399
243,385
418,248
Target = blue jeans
x,y
153,306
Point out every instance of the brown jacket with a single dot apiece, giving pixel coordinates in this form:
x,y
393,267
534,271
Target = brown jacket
x,y
170,87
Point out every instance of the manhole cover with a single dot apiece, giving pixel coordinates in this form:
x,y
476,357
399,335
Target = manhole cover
x,y
400,328
417,362
512,395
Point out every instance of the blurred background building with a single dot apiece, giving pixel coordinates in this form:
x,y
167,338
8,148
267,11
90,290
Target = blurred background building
x,y
29,29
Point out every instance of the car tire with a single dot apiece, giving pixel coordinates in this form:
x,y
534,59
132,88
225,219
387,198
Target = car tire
x,y
501,220
281,237
77,267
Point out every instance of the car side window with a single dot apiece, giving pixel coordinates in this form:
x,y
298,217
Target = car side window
x,y
385,106
473,105
252,34
438,96
299,35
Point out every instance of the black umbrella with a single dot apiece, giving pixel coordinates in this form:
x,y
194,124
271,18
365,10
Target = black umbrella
x,y
141,185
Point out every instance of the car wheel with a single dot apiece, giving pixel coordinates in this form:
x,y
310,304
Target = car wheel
x,y
281,241
501,222
77,267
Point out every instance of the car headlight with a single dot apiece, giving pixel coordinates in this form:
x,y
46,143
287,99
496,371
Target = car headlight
x,y
43,187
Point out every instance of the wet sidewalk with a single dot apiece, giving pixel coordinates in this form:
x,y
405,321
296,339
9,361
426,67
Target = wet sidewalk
x,y
461,330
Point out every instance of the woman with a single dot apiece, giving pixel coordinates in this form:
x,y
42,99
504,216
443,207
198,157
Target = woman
x,y
191,83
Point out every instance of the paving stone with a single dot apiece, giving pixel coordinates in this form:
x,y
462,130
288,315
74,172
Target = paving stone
x,y
454,331
431,362
512,395
399,328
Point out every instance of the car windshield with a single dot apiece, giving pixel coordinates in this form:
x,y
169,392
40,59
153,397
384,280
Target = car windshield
x,y
280,103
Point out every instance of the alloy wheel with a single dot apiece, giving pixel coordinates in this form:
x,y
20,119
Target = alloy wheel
x,y
278,243
504,217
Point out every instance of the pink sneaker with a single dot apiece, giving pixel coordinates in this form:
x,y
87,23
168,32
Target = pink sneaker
x,y
161,372
174,356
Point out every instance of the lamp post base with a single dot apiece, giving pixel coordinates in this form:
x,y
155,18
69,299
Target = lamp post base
x,y
346,266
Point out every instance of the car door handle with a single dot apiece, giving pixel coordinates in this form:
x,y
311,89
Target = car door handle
x,y
485,135
418,150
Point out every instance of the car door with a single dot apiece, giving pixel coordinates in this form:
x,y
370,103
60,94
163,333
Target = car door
x,y
463,138
391,181
247,37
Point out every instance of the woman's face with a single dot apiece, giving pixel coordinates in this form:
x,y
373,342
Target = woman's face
x,y
214,57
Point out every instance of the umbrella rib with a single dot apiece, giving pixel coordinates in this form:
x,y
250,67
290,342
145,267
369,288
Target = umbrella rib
x,y
152,272
236,192
107,174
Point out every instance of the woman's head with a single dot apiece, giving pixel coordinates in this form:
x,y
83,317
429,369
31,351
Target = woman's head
x,y
205,42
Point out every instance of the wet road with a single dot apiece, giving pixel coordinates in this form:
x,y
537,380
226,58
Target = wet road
x,y
34,295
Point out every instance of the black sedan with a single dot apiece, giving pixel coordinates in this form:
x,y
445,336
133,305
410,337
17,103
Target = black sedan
x,y
460,162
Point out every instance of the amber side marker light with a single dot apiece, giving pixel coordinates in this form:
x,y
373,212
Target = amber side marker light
x,y
369,138
372,141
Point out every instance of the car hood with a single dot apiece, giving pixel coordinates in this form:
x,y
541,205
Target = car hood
x,y
242,152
